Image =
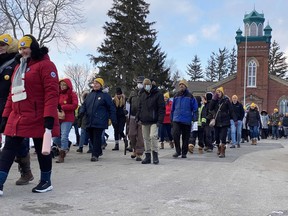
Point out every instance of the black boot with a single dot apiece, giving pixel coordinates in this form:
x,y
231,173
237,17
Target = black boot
x,y
147,159
155,157
80,150
116,147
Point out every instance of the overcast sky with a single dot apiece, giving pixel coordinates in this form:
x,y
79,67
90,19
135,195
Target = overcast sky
x,y
185,28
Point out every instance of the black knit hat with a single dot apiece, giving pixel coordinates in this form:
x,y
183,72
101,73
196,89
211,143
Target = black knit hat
x,y
209,96
118,91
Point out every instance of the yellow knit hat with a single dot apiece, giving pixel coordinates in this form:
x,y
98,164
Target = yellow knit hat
x,y
167,95
220,89
275,110
100,81
24,42
253,105
184,82
6,38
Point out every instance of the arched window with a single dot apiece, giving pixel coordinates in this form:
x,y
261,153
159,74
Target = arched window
x,y
260,29
253,29
283,106
252,71
247,30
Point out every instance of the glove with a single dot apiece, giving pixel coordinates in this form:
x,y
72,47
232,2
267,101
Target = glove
x,y
48,122
3,124
215,96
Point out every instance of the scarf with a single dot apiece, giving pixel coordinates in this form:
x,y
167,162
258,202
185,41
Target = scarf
x,y
119,102
18,88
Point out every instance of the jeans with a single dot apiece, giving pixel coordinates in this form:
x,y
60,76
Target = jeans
x,y
165,129
253,132
62,141
275,132
84,138
236,132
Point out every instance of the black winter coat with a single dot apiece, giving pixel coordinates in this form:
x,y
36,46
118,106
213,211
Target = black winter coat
x,y
225,112
151,108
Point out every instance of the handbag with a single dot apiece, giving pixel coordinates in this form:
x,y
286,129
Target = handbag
x,y
61,115
213,121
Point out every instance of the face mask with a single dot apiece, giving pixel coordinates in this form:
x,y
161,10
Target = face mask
x,y
105,90
148,88
139,85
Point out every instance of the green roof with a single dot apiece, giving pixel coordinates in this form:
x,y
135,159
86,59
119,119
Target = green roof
x,y
254,16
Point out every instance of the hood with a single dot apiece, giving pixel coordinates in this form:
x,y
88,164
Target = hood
x,y
69,84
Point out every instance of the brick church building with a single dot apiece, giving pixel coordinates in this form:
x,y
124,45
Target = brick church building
x,y
266,90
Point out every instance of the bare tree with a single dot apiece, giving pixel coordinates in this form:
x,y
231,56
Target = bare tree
x,y
80,77
47,20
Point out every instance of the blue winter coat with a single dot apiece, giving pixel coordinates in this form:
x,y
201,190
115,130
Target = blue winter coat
x,y
184,108
98,108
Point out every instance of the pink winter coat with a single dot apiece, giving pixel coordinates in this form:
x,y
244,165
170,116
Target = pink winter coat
x,y
68,101
26,117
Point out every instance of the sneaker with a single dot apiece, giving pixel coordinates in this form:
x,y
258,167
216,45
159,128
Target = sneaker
x,y
94,159
232,146
42,187
238,145
175,155
1,190
80,150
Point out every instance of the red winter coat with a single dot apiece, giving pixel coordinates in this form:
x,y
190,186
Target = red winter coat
x,y
68,101
168,105
26,117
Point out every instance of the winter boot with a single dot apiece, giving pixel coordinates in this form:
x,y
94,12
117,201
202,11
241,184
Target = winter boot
x,y
138,157
155,157
162,145
147,159
62,155
25,170
171,144
222,150
80,150
191,148
116,147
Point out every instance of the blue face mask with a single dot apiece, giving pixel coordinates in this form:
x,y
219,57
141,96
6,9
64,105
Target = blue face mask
x,y
148,88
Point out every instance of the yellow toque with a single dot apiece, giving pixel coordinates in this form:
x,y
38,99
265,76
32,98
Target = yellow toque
x,y
6,38
100,81
167,95
184,82
24,42
220,89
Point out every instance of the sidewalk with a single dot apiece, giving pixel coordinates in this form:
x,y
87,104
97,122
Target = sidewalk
x,y
250,181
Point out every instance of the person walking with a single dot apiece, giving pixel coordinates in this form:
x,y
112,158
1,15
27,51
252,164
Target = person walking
x,y
68,103
265,124
236,129
8,51
275,119
31,109
135,128
119,101
222,110
184,112
151,111
165,128
98,108
254,122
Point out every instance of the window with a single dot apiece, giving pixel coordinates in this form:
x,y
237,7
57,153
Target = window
x,y
253,29
260,30
283,106
252,69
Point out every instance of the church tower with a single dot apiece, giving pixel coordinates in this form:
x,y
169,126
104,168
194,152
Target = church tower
x,y
252,81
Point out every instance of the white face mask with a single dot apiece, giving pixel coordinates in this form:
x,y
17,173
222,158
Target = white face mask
x,y
148,88
139,85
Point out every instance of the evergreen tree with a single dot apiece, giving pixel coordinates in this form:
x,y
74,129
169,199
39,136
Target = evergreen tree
x,y
210,72
277,61
194,69
129,49
222,64
232,62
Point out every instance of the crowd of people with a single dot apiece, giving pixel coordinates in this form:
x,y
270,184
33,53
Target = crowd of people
x,y
34,100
